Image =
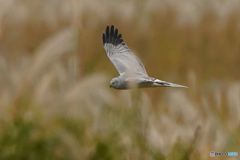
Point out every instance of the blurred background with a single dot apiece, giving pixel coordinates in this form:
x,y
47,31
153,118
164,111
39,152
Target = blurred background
x,y
55,100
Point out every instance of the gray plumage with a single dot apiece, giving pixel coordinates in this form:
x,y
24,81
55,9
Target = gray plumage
x,y
132,71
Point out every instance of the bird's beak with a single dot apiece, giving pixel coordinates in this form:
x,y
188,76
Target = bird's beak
x,y
110,86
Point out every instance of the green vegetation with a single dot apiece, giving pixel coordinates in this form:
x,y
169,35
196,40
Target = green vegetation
x,y
55,100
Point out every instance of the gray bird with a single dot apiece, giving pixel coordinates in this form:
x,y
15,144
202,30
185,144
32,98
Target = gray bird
x,y
132,71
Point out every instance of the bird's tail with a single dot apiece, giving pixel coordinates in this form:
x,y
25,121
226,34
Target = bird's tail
x,y
159,83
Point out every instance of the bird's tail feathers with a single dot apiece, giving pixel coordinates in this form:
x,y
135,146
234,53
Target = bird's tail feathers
x,y
159,83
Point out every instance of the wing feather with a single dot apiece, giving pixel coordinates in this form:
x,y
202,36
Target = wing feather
x,y
120,55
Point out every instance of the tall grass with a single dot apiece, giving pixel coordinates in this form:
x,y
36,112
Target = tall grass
x,y
55,98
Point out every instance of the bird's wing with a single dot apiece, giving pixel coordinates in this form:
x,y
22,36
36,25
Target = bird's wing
x,y
120,55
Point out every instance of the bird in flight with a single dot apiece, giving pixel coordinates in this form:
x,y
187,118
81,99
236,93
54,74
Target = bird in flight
x,y
132,71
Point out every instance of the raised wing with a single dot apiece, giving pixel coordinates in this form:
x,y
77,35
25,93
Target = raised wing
x,y
120,55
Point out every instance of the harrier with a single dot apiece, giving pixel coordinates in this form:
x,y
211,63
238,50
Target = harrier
x,y
132,71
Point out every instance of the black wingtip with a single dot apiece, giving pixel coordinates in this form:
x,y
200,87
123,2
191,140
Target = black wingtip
x,y
103,38
111,36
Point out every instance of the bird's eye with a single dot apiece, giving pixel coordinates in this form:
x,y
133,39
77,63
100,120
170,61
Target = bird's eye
x,y
114,83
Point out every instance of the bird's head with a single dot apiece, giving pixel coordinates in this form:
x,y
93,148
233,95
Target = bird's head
x,y
114,83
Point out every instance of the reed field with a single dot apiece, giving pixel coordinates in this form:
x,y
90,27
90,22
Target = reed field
x,y
55,100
